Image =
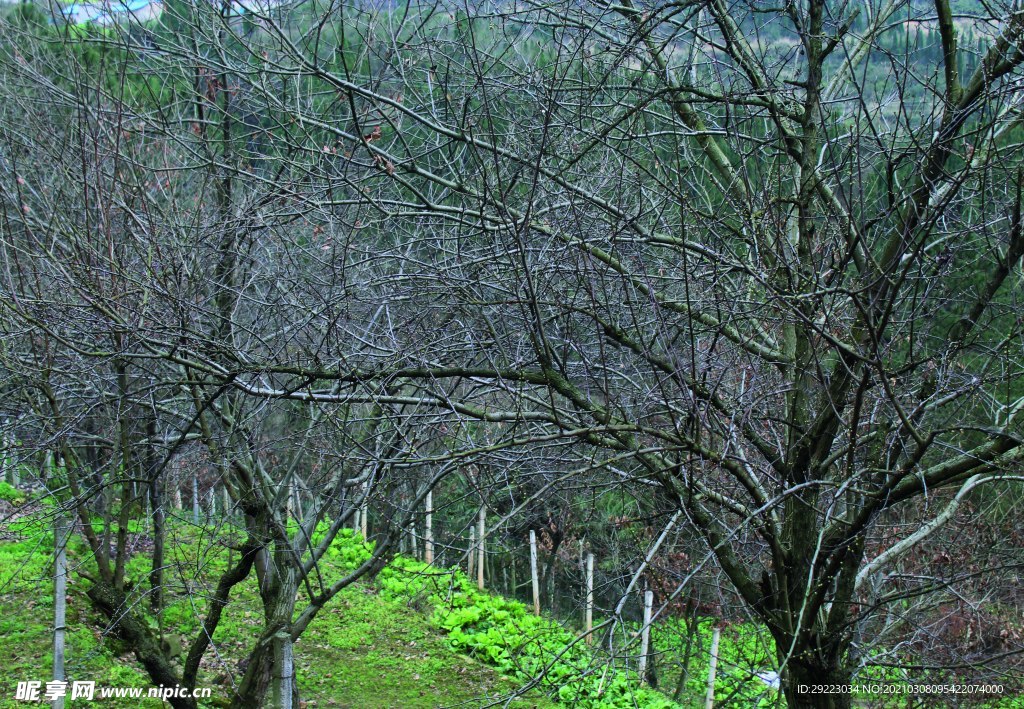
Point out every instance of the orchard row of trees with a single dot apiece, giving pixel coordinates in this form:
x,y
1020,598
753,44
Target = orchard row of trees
x,y
577,246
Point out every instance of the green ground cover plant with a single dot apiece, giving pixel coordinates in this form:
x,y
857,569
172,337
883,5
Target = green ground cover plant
x,y
417,636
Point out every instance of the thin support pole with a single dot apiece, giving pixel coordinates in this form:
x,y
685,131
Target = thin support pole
x,y
645,636
481,535
364,514
709,700
588,609
533,572
60,581
428,530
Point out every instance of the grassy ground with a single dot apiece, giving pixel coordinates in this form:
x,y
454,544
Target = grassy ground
x,y
26,621
362,651
377,655
397,642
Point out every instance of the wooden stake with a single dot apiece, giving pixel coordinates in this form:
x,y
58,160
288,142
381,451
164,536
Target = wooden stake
x,y
645,636
428,530
471,560
588,608
481,534
533,572
709,700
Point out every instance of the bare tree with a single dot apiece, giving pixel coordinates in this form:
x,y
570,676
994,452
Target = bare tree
x,y
760,260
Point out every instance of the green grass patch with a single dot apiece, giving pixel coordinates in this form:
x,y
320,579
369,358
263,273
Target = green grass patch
x,y
418,636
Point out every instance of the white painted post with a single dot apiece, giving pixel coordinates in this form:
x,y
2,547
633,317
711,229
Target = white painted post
x,y
645,636
709,700
177,498
428,530
471,560
481,534
5,460
533,572
588,609
364,513
195,500
281,686
226,499
60,580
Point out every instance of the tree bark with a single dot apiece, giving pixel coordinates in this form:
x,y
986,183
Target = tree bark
x,y
801,676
